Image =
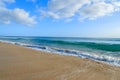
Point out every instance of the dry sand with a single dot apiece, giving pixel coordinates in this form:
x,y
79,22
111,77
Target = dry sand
x,y
19,63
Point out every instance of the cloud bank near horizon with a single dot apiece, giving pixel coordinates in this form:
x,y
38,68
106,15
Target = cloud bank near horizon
x,y
16,15
81,9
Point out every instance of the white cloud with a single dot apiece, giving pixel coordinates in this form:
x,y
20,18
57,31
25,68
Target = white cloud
x,y
21,16
64,8
85,9
96,10
16,15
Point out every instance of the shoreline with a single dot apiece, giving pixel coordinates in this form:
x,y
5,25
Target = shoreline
x,y
20,63
100,59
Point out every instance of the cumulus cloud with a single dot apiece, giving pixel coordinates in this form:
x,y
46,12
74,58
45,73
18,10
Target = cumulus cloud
x,y
16,15
84,9
98,9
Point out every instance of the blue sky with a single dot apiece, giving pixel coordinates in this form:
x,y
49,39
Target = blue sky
x,y
60,18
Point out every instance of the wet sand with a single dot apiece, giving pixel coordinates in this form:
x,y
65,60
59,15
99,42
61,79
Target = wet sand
x,y
19,63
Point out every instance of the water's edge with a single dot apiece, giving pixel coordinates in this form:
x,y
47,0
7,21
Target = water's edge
x,y
102,59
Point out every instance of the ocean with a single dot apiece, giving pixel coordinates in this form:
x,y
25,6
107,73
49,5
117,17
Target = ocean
x,y
106,50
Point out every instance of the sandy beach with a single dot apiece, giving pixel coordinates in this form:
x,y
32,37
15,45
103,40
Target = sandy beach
x,y
19,63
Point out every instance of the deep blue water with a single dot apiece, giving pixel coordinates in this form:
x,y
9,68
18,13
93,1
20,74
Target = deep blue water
x,y
99,49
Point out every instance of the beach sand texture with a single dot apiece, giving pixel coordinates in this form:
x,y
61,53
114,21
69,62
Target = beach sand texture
x,y
19,63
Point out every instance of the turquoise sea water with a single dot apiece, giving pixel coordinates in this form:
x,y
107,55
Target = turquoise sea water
x,y
100,49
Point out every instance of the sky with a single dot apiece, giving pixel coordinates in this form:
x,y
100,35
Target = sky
x,y
60,18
